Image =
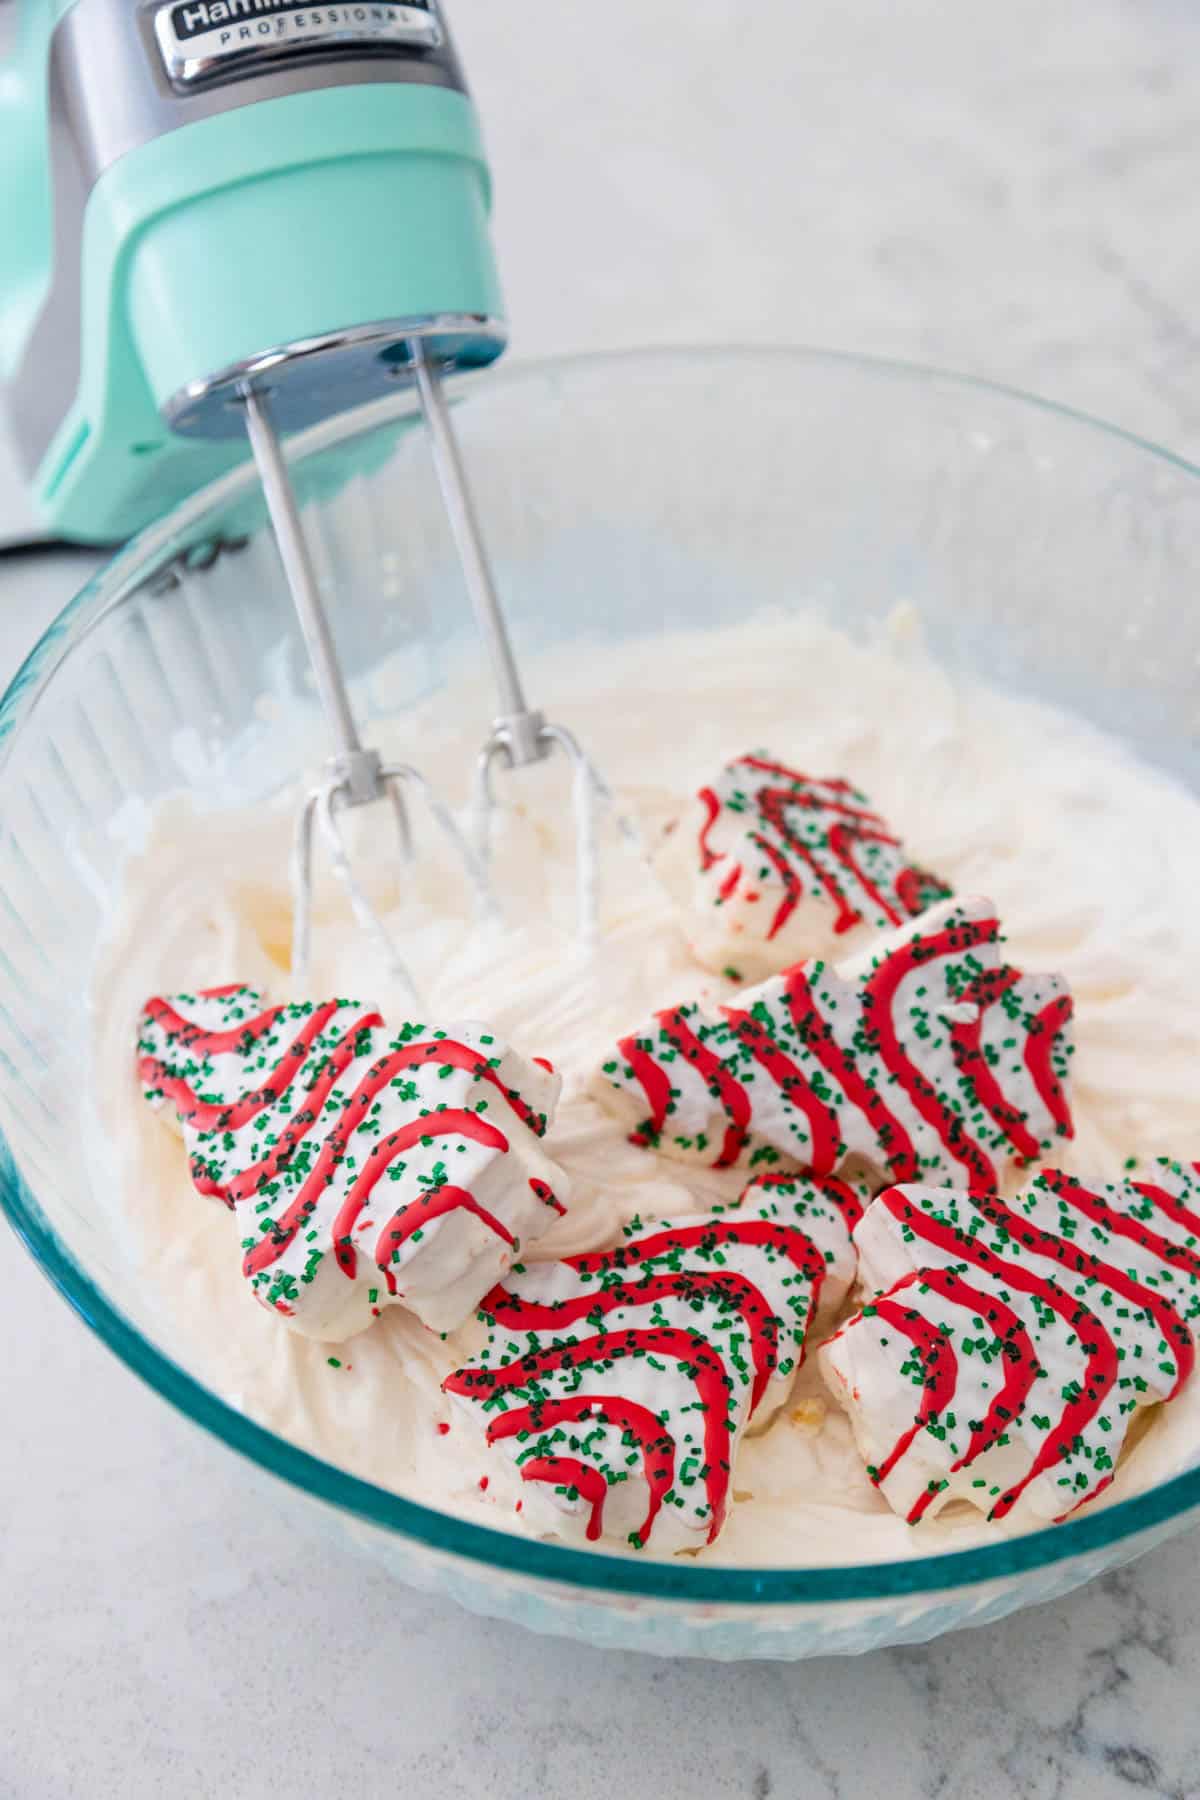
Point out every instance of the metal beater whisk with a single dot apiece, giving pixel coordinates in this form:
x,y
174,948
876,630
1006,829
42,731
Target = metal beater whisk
x,y
356,775
520,734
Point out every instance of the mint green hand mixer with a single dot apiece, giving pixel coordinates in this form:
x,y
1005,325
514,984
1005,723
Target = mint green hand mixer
x,y
227,221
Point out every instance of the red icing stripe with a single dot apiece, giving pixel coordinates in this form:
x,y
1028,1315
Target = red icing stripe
x,y
911,890
729,886
761,1323
729,1090
699,1362
771,804
940,1366
302,1121
211,1043
839,1193
655,1442
568,1472
655,1084
967,1043
842,841
879,994
843,1196
1061,1518
451,1123
1167,1203
231,1115
793,889
446,1052
819,792
1099,1351
1093,1207
789,1240
1019,1364
818,1038
440,1051
415,1217
712,807
547,1196
823,1128
1039,1047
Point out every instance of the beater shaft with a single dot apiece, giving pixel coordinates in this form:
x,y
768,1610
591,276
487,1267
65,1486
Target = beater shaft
x,y
519,728
359,768
354,775
520,734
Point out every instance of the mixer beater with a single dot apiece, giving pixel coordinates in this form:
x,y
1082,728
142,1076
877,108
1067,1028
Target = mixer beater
x,y
520,734
235,218
356,776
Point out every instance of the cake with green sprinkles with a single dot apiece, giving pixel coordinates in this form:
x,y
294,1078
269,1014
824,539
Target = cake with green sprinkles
x,y
365,1165
1009,1345
930,1058
618,1384
769,866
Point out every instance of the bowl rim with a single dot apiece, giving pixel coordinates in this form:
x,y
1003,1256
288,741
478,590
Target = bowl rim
x,y
588,1572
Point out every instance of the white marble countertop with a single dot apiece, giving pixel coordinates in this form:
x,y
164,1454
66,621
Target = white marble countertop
x,y
1007,189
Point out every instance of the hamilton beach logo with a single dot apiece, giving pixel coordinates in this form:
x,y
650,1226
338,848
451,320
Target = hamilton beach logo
x,y
243,22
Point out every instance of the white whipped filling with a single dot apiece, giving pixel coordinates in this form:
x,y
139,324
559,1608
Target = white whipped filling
x,y
1092,858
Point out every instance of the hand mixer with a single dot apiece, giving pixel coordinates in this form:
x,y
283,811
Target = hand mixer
x,y
231,219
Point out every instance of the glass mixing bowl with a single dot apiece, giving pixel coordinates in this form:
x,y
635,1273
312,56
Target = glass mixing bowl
x,y
622,496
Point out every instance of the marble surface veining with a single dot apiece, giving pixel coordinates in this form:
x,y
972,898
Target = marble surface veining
x,y
1007,189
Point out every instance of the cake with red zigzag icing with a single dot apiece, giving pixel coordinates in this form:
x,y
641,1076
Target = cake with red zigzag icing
x,y
619,1383
931,1059
769,866
1010,1344
365,1166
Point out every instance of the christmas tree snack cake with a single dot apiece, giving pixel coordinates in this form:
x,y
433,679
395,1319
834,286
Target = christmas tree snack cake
x,y
365,1165
1010,1344
768,866
619,1384
929,1058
